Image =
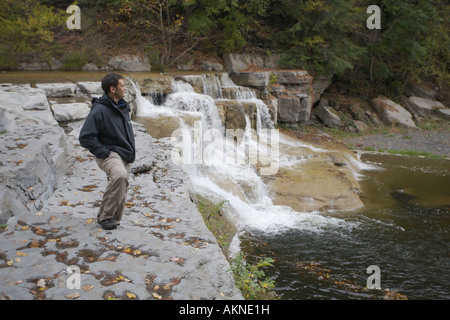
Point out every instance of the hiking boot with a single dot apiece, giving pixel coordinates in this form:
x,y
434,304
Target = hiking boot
x,y
108,224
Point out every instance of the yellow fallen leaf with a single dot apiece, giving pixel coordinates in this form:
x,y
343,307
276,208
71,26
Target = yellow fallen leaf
x,y
131,295
156,287
137,252
21,254
168,286
88,221
156,296
10,263
25,228
126,250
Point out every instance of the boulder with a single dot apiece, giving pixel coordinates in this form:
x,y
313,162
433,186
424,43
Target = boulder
x,y
392,113
424,108
12,115
129,62
26,96
90,67
211,66
70,111
91,88
444,113
413,89
30,166
235,62
327,115
320,84
58,90
251,79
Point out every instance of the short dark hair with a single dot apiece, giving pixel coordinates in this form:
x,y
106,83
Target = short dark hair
x,y
111,79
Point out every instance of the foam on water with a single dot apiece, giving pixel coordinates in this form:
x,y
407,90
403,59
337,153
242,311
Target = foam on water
x,y
220,178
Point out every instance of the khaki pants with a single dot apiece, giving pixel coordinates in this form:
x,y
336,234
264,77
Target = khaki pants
x,y
118,173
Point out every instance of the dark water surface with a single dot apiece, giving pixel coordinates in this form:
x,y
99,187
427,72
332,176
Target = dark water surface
x,y
404,230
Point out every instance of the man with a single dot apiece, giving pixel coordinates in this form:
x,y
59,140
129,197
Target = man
x,y
108,134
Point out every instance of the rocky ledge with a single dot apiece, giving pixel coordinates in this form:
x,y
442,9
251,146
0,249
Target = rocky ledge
x,y
51,246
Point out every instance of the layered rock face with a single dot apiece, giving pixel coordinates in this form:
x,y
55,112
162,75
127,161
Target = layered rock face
x,y
289,94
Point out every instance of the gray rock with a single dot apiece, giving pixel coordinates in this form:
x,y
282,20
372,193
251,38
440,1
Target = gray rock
x,y
162,249
328,116
236,62
129,62
91,88
58,90
392,113
90,67
413,89
26,96
251,79
289,109
33,160
70,111
423,107
211,66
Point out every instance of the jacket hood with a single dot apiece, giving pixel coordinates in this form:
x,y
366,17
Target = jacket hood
x,y
107,101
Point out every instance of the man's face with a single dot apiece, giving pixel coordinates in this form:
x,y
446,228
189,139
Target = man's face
x,y
120,90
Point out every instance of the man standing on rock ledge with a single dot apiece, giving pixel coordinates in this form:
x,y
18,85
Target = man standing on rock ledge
x,y
108,134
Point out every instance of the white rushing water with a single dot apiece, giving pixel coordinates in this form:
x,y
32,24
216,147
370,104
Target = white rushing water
x,y
220,175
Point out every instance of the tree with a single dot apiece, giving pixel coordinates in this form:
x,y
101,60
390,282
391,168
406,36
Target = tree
x,y
318,35
26,27
226,22
396,51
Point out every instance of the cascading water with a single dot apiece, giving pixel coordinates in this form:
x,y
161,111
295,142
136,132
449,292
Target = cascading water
x,y
219,175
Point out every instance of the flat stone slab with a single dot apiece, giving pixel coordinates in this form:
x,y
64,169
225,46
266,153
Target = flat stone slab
x,y
161,250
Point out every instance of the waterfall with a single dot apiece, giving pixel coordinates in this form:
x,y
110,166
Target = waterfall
x,y
222,168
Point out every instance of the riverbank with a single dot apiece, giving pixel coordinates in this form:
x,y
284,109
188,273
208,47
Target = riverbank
x,y
161,250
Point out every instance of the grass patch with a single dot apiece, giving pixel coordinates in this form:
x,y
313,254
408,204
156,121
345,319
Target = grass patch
x,y
250,278
217,222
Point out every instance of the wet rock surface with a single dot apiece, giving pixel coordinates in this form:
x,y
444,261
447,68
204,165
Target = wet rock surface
x,y
161,250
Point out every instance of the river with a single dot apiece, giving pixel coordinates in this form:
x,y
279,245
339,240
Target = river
x,y
403,229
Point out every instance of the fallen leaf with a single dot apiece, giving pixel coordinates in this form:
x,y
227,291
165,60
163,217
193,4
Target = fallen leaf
x,y
131,295
73,295
25,228
168,286
88,287
21,254
88,221
40,283
10,263
156,296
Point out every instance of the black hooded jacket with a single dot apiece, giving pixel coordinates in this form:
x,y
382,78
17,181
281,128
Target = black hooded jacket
x,y
108,128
